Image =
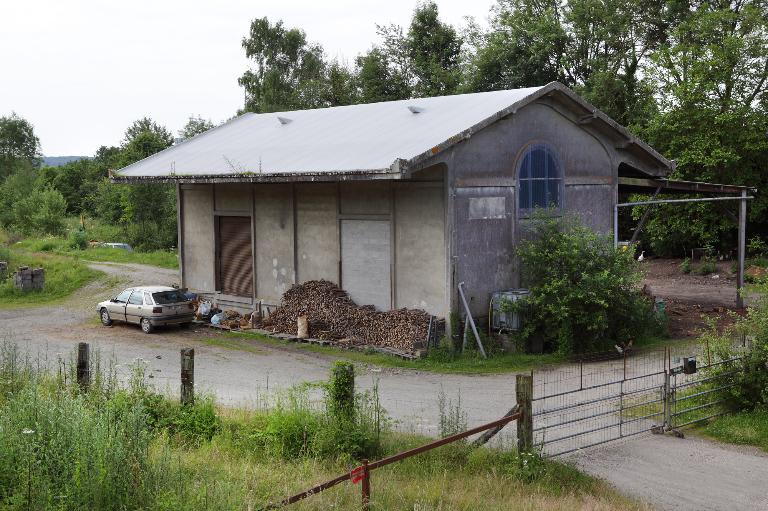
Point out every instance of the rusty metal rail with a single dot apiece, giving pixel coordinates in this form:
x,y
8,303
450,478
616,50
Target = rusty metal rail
x,y
363,472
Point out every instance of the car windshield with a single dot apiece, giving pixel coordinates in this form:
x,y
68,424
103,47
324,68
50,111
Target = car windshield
x,y
166,297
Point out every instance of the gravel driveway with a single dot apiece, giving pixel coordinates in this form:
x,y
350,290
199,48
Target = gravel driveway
x,y
237,377
668,473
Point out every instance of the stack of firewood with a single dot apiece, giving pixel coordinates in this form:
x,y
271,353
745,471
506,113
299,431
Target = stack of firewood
x,y
332,315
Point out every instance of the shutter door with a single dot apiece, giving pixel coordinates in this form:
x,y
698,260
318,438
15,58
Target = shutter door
x,y
365,262
235,259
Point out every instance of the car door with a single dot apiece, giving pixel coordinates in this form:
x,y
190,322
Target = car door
x,y
134,307
116,307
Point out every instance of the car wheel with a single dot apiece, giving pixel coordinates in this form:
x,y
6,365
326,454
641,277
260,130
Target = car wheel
x,y
105,319
146,326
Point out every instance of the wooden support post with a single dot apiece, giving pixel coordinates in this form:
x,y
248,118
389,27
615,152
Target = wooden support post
x,y
187,376
643,219
83,365
742,247
366,486
524,392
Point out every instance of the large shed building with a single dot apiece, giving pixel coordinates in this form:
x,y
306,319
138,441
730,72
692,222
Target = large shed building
x,y
396,202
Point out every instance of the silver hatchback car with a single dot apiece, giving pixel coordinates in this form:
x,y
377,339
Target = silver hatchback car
x,y
148,306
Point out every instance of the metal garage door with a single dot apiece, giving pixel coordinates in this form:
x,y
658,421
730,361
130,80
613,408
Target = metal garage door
x,y
234,261
366,261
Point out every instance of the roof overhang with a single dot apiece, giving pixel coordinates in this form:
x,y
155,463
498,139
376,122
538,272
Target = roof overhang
x,y
255,177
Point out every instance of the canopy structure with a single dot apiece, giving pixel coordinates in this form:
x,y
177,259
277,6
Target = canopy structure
x,y
715,192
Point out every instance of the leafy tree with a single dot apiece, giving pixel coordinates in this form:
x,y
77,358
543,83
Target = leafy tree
x,y
195,126
525,47
142,139
379,79
15,187
148,212
711,73
341,85
50,211
18,143
595,46
433,49
285,64
75,180
147,125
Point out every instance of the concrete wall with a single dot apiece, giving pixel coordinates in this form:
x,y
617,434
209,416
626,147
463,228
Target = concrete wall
x,y
483,205
198,251
297,234
232,197
317,234
274,226
420,266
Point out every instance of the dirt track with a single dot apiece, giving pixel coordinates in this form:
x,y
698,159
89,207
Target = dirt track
x,y
668,473
688,474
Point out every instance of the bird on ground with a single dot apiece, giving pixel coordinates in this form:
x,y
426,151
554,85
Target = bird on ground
x,y
641,257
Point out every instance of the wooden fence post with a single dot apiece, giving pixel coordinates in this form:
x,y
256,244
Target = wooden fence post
x,y
83,366
366,486
187,376
524,392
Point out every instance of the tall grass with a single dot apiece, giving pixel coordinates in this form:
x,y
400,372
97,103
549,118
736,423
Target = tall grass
x,y
63,276
64,246
124,447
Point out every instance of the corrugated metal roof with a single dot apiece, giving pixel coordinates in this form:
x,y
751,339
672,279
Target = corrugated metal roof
x,y
369,138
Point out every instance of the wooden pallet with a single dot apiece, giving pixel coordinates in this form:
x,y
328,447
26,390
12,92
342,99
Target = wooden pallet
x,y
319,342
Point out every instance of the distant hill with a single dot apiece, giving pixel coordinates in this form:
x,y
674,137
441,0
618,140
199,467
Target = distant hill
x,y
58,161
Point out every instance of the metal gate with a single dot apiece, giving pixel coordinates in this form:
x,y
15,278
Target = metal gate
x,y
695,397
595,401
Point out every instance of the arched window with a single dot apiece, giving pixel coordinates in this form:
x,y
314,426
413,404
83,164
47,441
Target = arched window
x,y
539,180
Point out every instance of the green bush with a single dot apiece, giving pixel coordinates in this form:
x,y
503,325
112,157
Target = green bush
x,y
583,292
756,247
685,266
193,423
743,373
78,240
707,266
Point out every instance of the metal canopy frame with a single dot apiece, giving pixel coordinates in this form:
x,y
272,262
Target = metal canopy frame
x,y
672,186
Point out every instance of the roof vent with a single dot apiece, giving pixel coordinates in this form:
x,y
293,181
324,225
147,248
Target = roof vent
x,y
415,109
283,120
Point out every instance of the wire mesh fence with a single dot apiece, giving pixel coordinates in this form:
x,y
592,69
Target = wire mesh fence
x,y
597,399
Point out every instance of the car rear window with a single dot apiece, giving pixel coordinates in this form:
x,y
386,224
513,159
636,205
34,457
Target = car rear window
x,y
169,297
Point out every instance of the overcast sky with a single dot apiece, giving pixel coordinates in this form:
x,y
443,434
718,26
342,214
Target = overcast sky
x,y
82,70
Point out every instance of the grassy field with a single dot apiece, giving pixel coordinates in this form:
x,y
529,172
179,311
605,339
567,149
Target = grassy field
x,y
742,428
63,276
116,447
440,362
61,246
